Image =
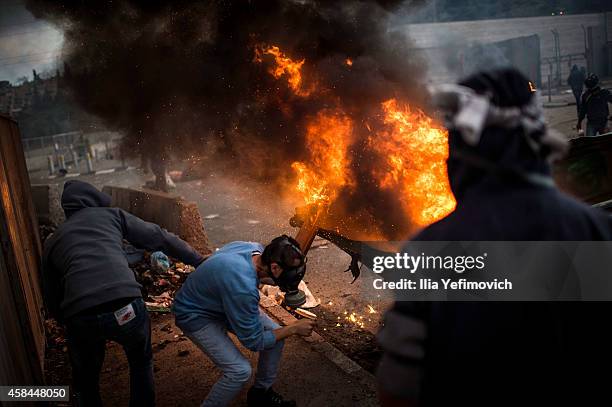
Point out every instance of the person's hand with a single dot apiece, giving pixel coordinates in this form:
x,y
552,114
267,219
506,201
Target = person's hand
x,y
303,327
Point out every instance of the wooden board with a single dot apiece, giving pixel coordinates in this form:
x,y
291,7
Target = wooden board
x,y
21,302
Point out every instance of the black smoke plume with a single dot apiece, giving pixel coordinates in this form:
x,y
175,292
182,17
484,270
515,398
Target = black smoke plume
x,y
173,74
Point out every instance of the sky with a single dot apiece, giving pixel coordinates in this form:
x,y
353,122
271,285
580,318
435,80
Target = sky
x,y
26,43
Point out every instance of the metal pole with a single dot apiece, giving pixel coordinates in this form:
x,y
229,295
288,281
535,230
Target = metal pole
x,y
62,162
90,167
559,58
587,57
51,164
75,157
549,88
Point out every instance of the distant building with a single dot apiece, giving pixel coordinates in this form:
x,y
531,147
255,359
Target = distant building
x,y
15,99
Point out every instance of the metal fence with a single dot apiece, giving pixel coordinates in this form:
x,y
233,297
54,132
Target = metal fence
x,y
559,68
60,140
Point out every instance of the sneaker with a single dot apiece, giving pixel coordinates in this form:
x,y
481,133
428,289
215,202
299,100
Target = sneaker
x,y
267,398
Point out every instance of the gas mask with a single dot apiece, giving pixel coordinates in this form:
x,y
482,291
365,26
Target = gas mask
x,y
292,261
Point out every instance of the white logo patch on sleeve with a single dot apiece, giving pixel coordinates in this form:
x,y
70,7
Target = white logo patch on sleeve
x,y
125,314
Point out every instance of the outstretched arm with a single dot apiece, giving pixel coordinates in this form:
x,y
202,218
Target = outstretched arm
x,y
149,236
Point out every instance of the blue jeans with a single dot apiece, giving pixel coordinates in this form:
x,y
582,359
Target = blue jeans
x,y
213,340
87,335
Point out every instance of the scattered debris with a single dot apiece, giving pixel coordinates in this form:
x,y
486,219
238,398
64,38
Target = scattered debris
x,y
212,216
306,314
161,344
159,285
55,333
253,222
274,293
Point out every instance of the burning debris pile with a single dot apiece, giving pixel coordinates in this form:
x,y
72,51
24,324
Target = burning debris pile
x,y
323,99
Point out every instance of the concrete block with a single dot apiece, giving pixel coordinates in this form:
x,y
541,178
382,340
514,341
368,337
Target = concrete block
x,y
172,213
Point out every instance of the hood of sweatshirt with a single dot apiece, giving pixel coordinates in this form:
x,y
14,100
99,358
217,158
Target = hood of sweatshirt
x,y
78,195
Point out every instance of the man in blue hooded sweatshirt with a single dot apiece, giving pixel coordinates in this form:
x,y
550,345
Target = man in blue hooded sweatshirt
x,y
222,296
88,285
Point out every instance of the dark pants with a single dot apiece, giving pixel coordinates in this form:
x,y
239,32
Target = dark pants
x,y
595,128
577,95
87,335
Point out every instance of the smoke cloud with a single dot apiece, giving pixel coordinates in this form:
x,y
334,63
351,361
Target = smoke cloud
x,y
174,74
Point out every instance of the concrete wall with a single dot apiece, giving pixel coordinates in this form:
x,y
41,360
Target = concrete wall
x,y
172,213
432,36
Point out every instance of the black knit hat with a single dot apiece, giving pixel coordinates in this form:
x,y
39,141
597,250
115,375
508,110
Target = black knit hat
x,y
505,87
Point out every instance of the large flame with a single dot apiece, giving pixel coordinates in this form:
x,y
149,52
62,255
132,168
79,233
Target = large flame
x,y
410,150
283,65
328,136
416,151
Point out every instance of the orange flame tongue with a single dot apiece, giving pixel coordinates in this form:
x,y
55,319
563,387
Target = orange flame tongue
x,y
411,161
416,150
328,136
284,66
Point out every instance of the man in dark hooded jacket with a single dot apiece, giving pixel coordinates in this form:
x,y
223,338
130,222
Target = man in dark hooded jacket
x,y
494,353
594,107
576,82
88,284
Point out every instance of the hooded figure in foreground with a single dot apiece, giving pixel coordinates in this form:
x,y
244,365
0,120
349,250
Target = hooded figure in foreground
x,y
487,353
88,284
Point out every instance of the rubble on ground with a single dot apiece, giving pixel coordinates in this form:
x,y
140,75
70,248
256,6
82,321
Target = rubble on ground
x,y
159,285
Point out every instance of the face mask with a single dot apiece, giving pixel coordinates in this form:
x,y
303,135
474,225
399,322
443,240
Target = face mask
x,y
290,278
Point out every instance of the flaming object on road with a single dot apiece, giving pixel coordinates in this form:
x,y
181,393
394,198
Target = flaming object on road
x,y
407,151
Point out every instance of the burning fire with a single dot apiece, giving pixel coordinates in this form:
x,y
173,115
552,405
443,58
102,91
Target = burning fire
x,y
416,151
283,66
328,137
410,150
354,318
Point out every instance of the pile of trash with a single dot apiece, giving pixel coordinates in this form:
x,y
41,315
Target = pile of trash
x,y
160,277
